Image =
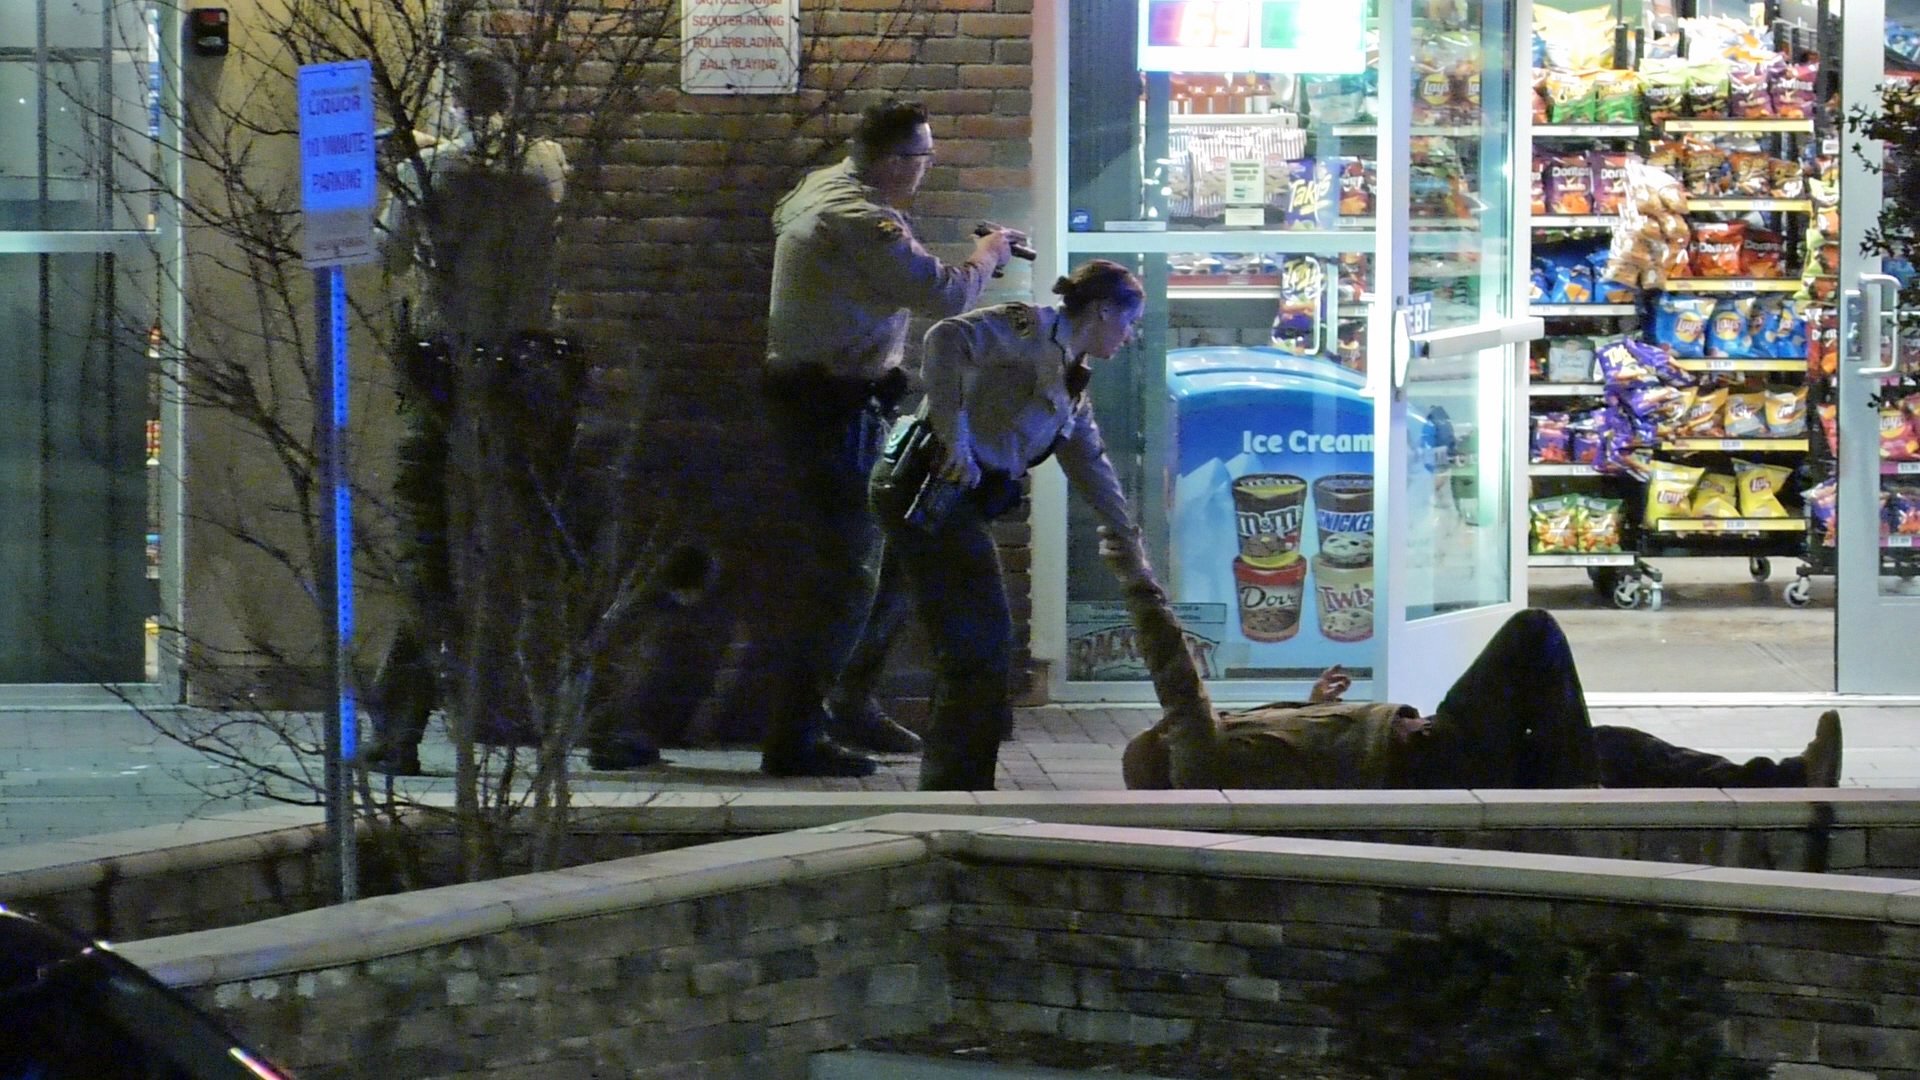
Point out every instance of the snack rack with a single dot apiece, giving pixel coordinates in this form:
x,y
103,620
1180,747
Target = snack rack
x,y
1627,577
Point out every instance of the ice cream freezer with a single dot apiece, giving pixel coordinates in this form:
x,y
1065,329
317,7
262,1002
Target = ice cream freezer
x,y
1270,509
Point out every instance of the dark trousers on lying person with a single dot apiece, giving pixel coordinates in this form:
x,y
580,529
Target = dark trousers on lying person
x,y
1517,718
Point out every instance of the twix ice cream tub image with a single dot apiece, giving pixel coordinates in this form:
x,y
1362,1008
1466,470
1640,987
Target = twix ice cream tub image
x,y
1343,595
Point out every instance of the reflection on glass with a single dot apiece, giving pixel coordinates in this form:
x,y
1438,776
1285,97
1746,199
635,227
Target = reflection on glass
x,y
1459,189
1458,540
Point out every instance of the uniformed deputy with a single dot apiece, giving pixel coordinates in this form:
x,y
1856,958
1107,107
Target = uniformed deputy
x,y
1006,388
469,238
847,275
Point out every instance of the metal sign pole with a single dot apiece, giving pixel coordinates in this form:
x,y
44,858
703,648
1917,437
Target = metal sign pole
x,y
336,578
336,199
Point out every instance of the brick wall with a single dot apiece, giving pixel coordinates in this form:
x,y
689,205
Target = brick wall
x,y
743,959
672,269
1143,958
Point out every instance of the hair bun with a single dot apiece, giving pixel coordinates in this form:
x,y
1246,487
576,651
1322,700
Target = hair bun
x,y
1062,286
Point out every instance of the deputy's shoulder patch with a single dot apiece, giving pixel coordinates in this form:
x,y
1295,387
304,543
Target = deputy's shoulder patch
x,y
888,231
1024,320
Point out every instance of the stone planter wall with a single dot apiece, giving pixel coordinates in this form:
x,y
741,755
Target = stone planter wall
x,y
742,959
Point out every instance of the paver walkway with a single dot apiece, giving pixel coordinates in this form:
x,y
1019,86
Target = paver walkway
x,y
76,772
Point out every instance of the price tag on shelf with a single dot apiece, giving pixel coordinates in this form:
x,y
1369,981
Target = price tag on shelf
x,y
1246,183
1902,542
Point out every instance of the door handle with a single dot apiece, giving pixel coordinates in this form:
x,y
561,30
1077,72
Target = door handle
x,y
1880,309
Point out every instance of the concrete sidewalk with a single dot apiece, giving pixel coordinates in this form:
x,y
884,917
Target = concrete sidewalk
x,y
76,772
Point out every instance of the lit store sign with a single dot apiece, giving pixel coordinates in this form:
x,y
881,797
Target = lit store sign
x,y
1320,37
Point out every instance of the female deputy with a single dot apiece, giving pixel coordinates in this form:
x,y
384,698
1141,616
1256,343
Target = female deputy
x,y
1005,389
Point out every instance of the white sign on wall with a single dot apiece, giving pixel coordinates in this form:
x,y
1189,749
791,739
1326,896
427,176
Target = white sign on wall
x,y
739,46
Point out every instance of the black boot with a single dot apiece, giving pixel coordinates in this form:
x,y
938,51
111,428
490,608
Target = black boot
x,y
804,749
629,751
963,744
402,699
864,724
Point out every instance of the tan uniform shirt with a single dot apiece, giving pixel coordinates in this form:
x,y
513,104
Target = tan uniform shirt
x,y
472,246
847,274
996,383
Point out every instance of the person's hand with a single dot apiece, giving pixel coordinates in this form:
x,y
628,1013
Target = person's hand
x,y
1126,556
960,468
998,244
1331,686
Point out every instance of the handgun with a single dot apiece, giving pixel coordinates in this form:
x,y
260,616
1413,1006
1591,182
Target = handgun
x,y
1020,249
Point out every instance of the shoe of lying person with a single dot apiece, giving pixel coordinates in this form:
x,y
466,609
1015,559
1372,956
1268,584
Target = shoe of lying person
x,y
1822,755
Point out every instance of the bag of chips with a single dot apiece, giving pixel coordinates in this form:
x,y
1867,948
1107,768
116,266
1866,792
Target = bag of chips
x,y
1335,99
1823,503
1703,167
1750,97
1702,418
1616,97
1788,180
1729,330
1551,440
1766,254
1610,180
1575,40
1759,488
1585,436
1624,367
1793,90
1744,417
1555,521
1570,98
1669,490
1897,439
1829,414
1716,496
1749,173
1823,340
1310,198
1539,185
1600,524
1680,324
1663,89
1786,411
1719,249
1569,182
1903,510
1707,89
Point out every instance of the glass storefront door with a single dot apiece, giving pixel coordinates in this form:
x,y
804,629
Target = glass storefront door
x,y
1452,381
1878,375
1284,185
81,281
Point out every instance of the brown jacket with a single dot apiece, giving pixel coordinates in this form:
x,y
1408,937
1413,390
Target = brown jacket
x,y
1333,744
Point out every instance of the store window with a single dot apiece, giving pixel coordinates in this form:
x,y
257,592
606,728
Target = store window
x,y
80,294
1232,153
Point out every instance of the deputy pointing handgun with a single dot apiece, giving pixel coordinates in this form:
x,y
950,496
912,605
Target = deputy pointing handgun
x,y
847,274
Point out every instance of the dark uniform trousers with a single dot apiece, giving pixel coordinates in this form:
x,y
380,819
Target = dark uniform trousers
x,y
529,391
954,583
1517,718
830,432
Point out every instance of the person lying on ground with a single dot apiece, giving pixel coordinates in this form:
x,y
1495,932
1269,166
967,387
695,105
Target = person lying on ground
x,y
1516,718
